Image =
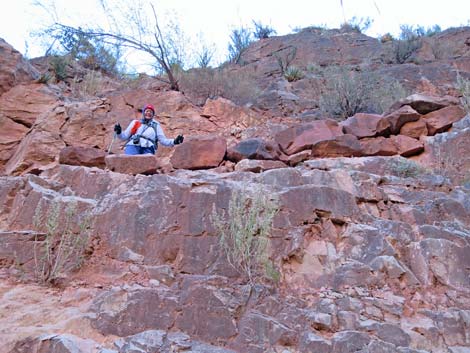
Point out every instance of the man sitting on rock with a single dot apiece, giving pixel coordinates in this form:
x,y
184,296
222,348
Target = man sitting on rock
x,y
143,135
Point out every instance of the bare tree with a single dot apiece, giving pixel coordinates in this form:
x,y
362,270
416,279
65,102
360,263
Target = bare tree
x,y
136,30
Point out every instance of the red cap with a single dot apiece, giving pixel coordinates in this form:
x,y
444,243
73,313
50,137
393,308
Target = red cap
x,y
149,106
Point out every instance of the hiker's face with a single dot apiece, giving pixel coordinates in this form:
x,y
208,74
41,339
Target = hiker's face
x,y
148,113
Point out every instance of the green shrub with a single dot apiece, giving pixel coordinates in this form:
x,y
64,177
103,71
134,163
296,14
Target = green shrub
x,y
244,232
293,73
58,65
62,248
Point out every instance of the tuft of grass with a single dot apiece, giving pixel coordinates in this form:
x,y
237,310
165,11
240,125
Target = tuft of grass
x,y
293,73
244,232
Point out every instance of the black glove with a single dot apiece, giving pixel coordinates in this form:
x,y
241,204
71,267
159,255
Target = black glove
x,y
117,129
179,139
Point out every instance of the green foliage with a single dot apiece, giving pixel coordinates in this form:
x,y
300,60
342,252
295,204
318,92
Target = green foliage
x,y
240,39
261,31
89,51
58,66
463,86
244,233
293,73
348,92
62,248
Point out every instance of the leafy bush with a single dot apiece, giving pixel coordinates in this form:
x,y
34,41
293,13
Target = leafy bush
x,y
244,233
62,249
90,52
58,66
348,92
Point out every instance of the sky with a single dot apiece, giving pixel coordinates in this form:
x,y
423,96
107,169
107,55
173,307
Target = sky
x,y
213,20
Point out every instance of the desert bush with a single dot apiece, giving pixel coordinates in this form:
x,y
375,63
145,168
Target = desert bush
x,y
244,232
200,84
62,248
284,57
293,73
348,92
355,24
463,86
261,31
89,85
405,168
240,39
58,64
387,37
408,43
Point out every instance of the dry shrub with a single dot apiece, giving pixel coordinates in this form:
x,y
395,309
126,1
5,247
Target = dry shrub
x,y
237,85
62,246
87,86
442,49
463,86
348,92
244,232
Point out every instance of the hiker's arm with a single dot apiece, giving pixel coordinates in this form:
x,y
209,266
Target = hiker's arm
x,y
126,133
162,138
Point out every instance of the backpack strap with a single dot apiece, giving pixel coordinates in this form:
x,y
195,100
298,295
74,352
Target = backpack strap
x,y
138,124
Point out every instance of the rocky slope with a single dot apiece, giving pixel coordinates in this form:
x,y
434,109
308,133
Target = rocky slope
x,y
371,240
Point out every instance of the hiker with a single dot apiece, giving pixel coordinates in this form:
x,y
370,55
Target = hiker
x,y
144,135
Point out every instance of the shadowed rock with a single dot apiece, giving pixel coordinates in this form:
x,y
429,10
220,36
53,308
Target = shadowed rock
x,y
86,156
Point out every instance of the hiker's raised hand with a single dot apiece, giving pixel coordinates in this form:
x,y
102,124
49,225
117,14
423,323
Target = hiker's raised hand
x,y
179,139
117,129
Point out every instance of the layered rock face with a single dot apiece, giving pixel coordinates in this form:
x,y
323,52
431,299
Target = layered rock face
x,y
369,248
367,257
